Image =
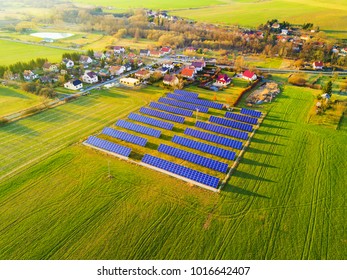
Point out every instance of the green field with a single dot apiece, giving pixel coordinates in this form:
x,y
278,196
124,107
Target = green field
x,y
285,201
12,100
12,52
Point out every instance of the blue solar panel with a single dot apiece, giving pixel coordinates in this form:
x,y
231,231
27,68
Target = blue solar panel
x,y
151,121
222,130
186,93
214,138
253,113
241,118
124,136
170,109
185,105
206,148
139,128
162,115
234,124
180,170
109,146
194,158
202,102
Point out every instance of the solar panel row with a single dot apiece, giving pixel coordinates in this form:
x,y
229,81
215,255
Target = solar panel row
x,y
214,138
151,121
253,113
230,123
202,102
139,128
194,158
180,170
124,136
181,104
222,130
241,118
108,146
162,115
170,109
186,93
206,148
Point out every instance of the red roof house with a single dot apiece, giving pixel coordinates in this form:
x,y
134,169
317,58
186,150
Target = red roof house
x,y
249,75
188,73
318,65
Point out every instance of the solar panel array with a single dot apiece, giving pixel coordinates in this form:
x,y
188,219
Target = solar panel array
x,y
108,146
234,124
214,138
180,170
206,148
186,93
253,113
162,115
170,109
124,136
241,118
202,102
139,128
222,130
151,121
181,104
194,158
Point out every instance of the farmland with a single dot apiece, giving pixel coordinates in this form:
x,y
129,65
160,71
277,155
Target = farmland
x,y
285,201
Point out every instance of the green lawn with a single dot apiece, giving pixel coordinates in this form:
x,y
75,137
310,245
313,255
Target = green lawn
x,y
12,52
285,201
13,100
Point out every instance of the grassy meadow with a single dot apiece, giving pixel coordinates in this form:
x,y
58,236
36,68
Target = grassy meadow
x,y
285,201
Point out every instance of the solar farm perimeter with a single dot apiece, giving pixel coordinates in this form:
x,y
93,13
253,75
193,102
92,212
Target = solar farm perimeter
x,y
286,200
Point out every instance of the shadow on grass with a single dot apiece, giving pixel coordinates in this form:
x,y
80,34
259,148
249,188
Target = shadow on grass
x,y
152,146
135,155
189,123
256,163
241,191
18,129
165,137
276,119
272,126
262,141
261,152
178,130
262,132
250,176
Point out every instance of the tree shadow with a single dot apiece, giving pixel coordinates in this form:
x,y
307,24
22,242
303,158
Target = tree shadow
x,y
261,152
18,129
272,126
267,133
4,91
245,175
234,189
165,137
256,163
262,141
152,146
177,129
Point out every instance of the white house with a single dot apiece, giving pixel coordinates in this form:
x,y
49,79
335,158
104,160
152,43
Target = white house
x,y
84,59
116,70
169,65
29,75
90,77
317,65
68,62
118,49
249,76
74,85
130,82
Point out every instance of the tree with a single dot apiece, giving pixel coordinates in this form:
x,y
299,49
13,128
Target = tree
x,y
8,75
343,86
137,35
328,87
297,79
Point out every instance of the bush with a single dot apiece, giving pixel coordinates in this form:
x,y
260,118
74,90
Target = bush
x,y
297,80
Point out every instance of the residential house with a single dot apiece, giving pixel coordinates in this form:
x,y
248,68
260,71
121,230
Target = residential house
x,y
249,76
132,55
317,65
144,52
116,70
155,53
99,55
188,73
165,50
276,25
343,52
85,60
191,49
74,85
199,65
285,32
48,79
68,63
90,77
49,67
170,80
29,75
104,73
223,80
63,72
164,70
139,63
130,82
118,49
128,66
143,74
169,65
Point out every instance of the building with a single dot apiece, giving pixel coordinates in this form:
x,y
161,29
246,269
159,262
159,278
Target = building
x,y
199,65
249,76
29,75
223,80
165,50
85,60
49,67
68,63
128,66
144,52
118,49
169,65
170,80
90,77
130,82
191,49
116,70
155,54
74,85
188,73
143,74
317,65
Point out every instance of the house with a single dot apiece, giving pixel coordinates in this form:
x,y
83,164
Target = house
x,y
90,77
118,49
170,80
191,49
223,80
99,55
132,55
29,75
144,52
164,70
130,82
249,76
139,63
188,73
63,72
128,66
116,70
155,54
285,32
73,85
165,50
49,67
68,63
317,65
199,65
85,60
104,73
48,79
143,74
169,65
276,25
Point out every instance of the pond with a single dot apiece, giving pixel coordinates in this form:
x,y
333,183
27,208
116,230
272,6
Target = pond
x,y
51,35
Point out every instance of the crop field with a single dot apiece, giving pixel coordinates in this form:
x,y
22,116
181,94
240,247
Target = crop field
x,y
285,201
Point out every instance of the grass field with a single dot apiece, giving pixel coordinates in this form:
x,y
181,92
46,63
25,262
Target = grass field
x,y
285,201
12,100
12,52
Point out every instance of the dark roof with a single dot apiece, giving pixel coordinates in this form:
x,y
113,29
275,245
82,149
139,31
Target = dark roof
x,y
91,74
198,64
169,78
76,82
